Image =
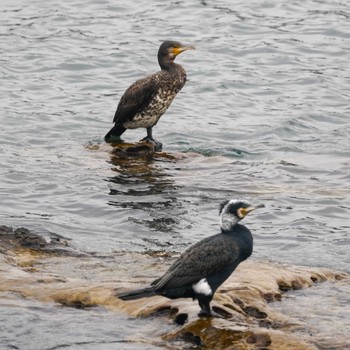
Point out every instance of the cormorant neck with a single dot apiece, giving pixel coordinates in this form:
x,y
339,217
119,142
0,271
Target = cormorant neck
x,y
228,221
166,63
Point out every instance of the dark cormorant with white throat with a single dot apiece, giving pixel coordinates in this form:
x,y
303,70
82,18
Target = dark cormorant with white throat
x,y
146,100
202,268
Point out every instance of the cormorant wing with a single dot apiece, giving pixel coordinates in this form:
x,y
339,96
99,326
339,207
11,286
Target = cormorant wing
x,y
135,99
206,258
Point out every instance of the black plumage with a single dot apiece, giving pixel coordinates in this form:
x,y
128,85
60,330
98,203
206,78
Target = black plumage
x,y
202,268
146,100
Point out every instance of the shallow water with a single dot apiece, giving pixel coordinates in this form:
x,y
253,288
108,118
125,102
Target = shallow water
x,y
264,116
335,297
34,325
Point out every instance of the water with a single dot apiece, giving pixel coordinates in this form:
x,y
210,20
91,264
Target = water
x,y
32,326
332,296
264,116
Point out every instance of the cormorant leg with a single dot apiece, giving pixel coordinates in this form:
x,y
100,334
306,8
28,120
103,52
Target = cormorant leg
x,y
149,133
157,145
206,310
205,307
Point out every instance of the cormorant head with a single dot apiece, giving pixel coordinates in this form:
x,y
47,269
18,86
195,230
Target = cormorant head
x,y
169,50
232,211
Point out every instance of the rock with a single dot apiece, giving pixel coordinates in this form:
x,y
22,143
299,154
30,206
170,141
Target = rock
x,y
25,247
140,151
250,323
136,149
61,275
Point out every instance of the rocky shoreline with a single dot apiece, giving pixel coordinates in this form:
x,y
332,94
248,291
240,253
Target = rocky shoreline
x,y
53,271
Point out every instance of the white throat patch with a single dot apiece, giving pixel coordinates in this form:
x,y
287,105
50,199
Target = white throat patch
x,y
228,220
202,287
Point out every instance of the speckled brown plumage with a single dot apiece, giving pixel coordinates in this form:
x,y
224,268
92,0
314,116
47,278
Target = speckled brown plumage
x,y
146,100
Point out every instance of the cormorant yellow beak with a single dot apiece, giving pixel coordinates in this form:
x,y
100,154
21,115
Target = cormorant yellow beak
x,y
178,50
242,212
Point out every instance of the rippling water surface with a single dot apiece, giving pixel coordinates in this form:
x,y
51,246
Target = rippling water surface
x,y
264,116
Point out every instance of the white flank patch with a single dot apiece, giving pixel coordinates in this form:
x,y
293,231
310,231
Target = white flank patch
x,y
202,287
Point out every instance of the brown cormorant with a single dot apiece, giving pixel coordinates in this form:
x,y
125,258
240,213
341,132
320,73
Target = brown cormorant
x,y
146,100
203,267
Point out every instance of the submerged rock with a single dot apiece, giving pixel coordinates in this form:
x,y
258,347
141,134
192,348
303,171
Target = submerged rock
x,y
123,149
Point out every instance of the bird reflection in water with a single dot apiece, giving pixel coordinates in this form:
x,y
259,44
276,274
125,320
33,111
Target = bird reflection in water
x,y
143,182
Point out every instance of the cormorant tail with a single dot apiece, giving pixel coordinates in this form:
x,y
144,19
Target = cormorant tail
x,y
114,133
138,294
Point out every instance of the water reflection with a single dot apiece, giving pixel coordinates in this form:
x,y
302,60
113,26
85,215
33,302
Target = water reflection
x,y
140,175
144,184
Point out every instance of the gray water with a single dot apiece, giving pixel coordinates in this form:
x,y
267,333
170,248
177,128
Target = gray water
x,y
264,116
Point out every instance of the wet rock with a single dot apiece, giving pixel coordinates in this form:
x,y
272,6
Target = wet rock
x,y
25,238
141,149
138,149
244,302
84,281
214,334
26,247
254,312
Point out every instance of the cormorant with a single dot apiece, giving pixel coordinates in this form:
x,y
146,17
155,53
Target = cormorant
x,y
203,267
146,100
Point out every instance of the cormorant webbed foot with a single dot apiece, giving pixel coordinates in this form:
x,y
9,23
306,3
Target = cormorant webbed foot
x,y
157,145
209,313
